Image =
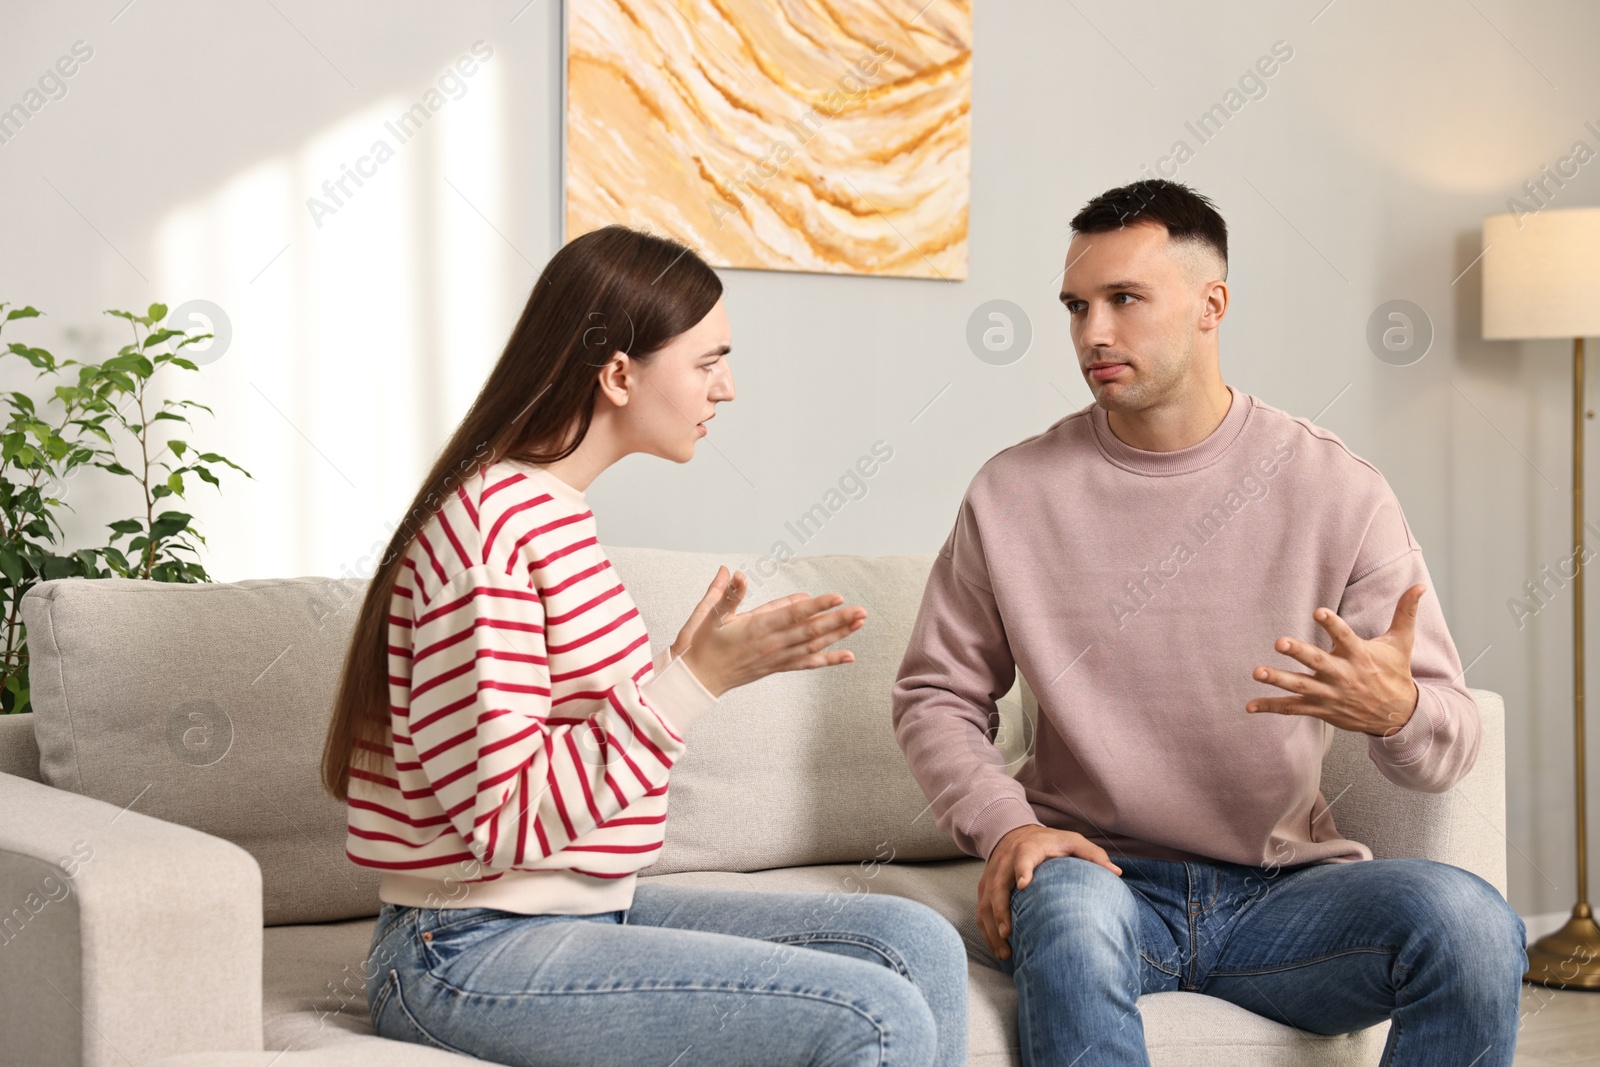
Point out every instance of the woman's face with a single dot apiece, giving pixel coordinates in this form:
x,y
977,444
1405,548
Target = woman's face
x,y
679,388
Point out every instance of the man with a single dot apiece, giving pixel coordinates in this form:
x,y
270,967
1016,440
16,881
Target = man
x,y
1164,566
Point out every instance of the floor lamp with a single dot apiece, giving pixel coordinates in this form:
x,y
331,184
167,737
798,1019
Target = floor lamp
x,y
1541,278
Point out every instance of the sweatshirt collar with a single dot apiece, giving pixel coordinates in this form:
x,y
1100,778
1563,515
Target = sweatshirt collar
x,y
1200,454
553,485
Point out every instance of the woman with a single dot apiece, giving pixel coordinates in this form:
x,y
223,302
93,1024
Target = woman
x,y
503,736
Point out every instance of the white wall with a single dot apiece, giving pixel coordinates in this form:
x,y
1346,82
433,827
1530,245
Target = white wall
x,y
178,165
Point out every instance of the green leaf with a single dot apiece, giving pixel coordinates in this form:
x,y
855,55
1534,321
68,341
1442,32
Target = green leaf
x,y
132,361
126,526
10,563
22,313
37,356
212,457
159,336
157,312
169,523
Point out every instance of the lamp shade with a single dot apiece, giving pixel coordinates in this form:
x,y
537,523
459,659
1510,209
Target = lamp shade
x,y
1541,274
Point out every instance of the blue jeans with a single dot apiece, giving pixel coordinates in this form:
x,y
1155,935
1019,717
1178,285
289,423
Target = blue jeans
x,y
683,976
1328,948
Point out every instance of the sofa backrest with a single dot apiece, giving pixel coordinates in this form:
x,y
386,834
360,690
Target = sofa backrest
x,y
800,767
19,749
208,704
205,705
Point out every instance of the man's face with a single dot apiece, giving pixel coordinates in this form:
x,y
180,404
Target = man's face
x,y
1136,302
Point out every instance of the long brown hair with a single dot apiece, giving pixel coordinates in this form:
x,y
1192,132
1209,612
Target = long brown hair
x,y
612,289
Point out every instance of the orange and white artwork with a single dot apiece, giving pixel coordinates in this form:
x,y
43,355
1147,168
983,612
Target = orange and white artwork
x,y
806,135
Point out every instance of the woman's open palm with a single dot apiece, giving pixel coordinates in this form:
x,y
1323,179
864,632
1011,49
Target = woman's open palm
x,y
760,651
709,601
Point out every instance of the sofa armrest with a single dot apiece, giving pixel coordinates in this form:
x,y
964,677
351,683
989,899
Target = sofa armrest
x,y
1464,826
123,938
1477,837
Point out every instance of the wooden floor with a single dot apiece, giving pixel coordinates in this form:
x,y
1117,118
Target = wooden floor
x,y
1559,1026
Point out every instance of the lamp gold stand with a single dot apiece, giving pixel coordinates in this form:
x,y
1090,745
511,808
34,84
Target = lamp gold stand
x,y
1569,958
1542,280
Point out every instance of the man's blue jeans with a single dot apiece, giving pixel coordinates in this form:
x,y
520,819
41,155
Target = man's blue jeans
x,y
685,976
1328,948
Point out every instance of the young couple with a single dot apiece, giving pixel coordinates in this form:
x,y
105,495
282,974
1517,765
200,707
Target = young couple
x,y
504,736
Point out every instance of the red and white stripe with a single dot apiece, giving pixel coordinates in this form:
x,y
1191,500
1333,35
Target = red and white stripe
x,y
522,736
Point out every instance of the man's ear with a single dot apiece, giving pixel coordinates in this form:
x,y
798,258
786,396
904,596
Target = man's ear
x,y
1214,304
618,379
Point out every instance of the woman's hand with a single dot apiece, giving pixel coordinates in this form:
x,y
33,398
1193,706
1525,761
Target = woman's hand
x,y
718,585
726,648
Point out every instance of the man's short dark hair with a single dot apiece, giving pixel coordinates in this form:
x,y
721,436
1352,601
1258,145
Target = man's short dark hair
x,y
1187,215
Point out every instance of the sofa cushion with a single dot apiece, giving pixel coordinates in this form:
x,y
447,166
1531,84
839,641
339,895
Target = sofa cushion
x,y
314,999
205,705
800,767
1181,1029
19,748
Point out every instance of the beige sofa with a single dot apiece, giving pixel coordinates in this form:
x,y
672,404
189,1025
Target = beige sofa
x,y
174,884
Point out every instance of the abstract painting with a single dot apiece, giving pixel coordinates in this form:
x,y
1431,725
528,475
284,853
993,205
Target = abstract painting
x,y
805,135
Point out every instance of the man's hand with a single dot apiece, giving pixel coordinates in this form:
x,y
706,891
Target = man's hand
x,y
1362,685
1011,863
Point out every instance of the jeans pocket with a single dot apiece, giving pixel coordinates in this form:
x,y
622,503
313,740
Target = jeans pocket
x,y
450,937
377,999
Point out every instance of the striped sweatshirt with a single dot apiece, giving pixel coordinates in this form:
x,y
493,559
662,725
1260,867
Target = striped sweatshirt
x,y
531,730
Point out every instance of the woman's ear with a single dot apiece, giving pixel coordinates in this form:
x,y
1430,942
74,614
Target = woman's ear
x,y
618,378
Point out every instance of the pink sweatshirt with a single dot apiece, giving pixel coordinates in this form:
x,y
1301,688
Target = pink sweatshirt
x,y
1137,591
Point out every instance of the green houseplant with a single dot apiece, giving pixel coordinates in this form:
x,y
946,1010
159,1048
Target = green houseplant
x,y
92,408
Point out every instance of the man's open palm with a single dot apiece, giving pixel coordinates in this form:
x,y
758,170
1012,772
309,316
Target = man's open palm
x,y
1362,684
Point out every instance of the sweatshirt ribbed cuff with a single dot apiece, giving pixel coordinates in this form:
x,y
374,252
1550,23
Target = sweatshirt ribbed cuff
x,y
676,694
1412,741
998,819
